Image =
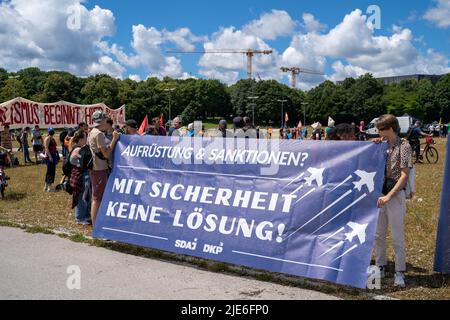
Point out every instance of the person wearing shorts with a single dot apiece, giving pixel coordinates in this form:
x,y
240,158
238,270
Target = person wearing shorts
x,y
38,144
100,154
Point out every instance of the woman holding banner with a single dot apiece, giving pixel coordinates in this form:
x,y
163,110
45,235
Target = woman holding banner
x,y
393,202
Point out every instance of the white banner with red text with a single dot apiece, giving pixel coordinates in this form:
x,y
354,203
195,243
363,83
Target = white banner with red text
x,y
20,112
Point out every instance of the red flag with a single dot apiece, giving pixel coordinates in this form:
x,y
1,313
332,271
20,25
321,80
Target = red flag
x,y
143,126
161,120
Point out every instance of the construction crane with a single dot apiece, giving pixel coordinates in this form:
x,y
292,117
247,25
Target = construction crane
x,y
296,71
248,52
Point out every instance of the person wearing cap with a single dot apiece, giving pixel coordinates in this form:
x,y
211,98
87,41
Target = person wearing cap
x,y
131,127
190,130
100,154
51,160
175,130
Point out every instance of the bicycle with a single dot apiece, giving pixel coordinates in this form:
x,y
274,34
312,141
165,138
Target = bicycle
x,y
429,152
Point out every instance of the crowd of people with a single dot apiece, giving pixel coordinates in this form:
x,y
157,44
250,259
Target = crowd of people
x,y
87,154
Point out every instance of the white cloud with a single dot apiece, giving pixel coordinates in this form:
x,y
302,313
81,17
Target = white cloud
x,y
341,71
36,33
135,77
148,46
224,76
352,37
271,25
311,24
226,66
106,65
183,38
439,15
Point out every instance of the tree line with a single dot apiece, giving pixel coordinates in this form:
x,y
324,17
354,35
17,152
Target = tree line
x,y
198,99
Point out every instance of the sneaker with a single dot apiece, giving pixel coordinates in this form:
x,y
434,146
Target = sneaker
x,y
399,280
45,187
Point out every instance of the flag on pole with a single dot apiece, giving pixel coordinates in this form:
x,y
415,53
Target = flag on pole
x,y
331,122
286,118
143,126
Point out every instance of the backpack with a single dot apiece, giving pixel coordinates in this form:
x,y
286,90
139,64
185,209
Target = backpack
x,y
87,160
67,166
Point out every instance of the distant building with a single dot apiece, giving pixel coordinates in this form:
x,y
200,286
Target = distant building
x,y
397,79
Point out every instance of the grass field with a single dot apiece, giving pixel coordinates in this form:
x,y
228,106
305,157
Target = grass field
x,y
26,203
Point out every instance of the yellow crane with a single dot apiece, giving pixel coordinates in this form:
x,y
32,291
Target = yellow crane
x,y
250,53
296,71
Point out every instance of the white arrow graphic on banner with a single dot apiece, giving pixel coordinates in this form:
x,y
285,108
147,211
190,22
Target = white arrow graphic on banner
x,y
367,179
316,175
295,179
358,230
340,184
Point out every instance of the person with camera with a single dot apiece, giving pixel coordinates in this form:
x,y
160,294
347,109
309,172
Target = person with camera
x,y
100,154
392,203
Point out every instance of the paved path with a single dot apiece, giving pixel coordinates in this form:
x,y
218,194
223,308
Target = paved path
x,y
34,266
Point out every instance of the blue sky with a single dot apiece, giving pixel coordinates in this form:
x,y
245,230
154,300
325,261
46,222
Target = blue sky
x,y
130,38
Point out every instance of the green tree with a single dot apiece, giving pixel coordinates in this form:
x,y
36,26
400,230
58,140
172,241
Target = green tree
x,y
101,88
12,88
443,97
320,102
365,98
33,79
61,86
